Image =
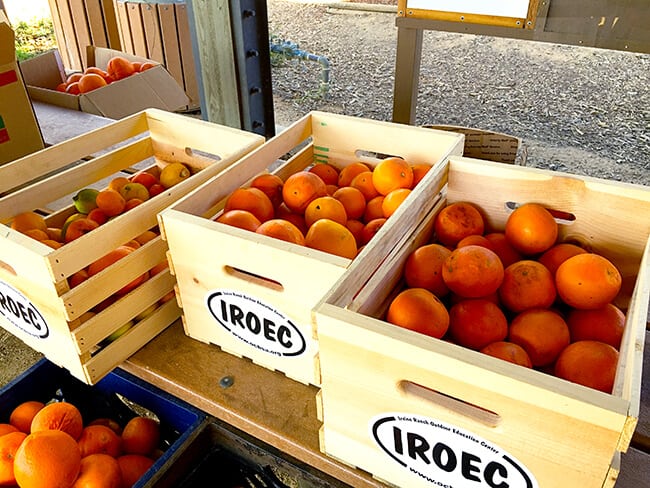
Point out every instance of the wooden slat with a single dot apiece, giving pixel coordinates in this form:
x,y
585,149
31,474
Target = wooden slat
x,y
81,31
169,36
152,34
137,30
126,38
96,24
59,31
111,25
69,41
187,54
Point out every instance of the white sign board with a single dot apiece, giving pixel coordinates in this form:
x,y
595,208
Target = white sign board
x,y
498,8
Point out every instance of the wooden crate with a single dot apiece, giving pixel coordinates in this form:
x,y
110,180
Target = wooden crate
x,y
160,31
273,279
35,276
500,419
82,23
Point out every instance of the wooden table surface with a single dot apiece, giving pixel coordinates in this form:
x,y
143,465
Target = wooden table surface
x,y
264,403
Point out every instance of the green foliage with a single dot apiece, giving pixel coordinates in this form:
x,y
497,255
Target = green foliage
x,y
34,38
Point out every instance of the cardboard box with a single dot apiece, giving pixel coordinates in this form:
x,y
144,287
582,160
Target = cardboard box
x,y
467,418
19,131
36,276
180,422
273,281
153,88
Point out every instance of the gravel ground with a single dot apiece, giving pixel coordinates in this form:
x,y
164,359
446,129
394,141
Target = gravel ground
x,y
581,110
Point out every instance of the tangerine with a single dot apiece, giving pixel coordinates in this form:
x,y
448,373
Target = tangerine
x,y
102,439
393,200
363,183
331,237
283,230
605,324
392,173
300,189
110,202
132,467
62,416
140,435
253,200
587,281
472,271
503,248
9,444
477,322
419,171
543,333
527,284
239,218
271,185
328,173
457,220
423,268
325,208
419,310
119,67
556,255
90,82
374,209
476,240
353,201
98,471
347,174
588,363
21,416
508,351
531,229
371,228
28,220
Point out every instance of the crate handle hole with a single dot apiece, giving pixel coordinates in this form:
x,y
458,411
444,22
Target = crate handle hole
x,y
560,216
254,278
8,268
193,152
372,157
463,407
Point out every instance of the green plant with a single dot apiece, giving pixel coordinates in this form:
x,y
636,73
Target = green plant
x,y
34,38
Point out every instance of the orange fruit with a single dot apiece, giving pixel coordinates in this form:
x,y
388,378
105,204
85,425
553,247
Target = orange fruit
x,y
374,209
332,237
604,324
587,281
503,248
477,322
102,439
132,467
38,234
108,422
97,71
110,202
7,429
73,88
301,188
283,230
140,435
458,220
356,227
325,208
47,458
527,284
476,240
119,67
531,229
508,351
271,185
90,82
62,416
392,173
347,174
9,444
371,228
28,220
588,363
363,183
419,310
240,218
353,201
21,416
556,255
393,200
419,171
118,182
146,65
253,200
98,471
283,212
542,333
328,173
111,258
423,268
472,271
331,189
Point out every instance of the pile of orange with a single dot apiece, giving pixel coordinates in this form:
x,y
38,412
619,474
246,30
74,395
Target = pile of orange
x,y
91,78
517,294
52,446
323,207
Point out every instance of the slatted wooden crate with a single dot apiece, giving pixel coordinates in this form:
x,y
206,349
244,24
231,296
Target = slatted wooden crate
x,y
270,281
82,23
160,31
420,412
38,304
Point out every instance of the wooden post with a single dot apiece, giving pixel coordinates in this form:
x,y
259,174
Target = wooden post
x,y
407,73
215,61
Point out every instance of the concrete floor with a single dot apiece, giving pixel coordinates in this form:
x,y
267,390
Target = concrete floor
x,y
15,357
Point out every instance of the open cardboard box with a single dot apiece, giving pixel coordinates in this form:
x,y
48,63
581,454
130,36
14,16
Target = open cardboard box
x,y
19,131
153,88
